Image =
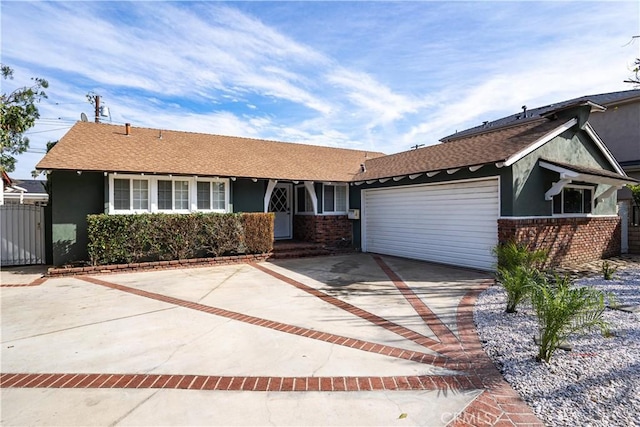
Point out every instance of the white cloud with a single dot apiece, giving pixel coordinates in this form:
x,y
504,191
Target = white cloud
x,y
379,76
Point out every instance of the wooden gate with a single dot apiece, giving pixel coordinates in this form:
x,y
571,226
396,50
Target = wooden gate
x,y
22,234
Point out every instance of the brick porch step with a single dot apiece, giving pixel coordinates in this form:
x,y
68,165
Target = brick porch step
x,y
295,249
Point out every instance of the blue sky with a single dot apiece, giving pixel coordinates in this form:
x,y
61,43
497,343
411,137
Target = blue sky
x,y
379,76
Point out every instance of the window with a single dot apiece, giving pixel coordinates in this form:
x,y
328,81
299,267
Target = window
x,y
130,194
204,195
121,194
173,195
335,198
219,195
140,194
165,197
573,200
181,191
212,195
303,200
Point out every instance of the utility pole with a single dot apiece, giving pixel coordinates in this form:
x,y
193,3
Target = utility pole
x,y
97,102
94,99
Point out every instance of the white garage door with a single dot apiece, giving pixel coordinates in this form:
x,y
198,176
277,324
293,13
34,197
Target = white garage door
x,y
452,223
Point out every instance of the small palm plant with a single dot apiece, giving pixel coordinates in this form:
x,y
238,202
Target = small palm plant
x,y
511,255
518,271
518,282
608,270
562,311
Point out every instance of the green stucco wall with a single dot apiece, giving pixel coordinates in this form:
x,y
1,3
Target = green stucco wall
x,y
530,181
73,197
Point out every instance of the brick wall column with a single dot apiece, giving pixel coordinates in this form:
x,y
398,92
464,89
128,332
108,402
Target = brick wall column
x,y
326,229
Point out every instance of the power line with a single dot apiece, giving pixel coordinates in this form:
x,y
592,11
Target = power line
x,y
43,131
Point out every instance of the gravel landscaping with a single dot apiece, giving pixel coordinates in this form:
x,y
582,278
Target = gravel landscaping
x,y
595,384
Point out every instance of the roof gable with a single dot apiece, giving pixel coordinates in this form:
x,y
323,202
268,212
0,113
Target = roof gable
x,y
494,146
102,147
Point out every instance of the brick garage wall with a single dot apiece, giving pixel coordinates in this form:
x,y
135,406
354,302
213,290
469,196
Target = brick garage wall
x,y
570,241
329,229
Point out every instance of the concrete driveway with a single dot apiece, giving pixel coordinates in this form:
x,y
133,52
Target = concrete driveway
x,y
356,339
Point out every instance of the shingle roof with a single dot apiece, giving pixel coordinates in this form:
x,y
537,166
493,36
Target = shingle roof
x,y
488,147
103,147
31,185
587,170
605,99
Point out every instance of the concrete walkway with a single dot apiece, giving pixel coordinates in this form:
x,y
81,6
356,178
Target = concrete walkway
x,y
345,340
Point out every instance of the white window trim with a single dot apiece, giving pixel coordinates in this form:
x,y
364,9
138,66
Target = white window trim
x,y
131,178
194,195
152,185
335,213
574,215
173,209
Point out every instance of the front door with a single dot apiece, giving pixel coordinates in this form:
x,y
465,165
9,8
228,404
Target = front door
x,y
280,204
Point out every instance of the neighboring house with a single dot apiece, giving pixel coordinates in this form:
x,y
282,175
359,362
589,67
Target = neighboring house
x,y
549,181
23,222
24,191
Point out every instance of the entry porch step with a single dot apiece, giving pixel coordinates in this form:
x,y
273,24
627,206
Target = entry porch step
x,y
296,249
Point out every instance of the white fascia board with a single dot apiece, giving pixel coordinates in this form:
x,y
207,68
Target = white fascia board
x,y
603,148
584,177
594,179
564,172
540,142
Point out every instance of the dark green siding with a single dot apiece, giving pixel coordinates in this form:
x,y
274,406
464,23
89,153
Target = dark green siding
x,y
247,196
73,197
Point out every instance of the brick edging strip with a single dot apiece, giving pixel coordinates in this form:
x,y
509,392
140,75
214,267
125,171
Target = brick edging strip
x,y
39,281
404,332
157,265
442,331
239,383
499,404
354,343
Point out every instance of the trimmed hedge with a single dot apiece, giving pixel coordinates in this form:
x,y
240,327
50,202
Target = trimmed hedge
x,y
160,237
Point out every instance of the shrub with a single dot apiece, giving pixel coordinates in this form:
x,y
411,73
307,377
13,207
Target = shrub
x,y
151,237
258,232
222,234
562,311
518,283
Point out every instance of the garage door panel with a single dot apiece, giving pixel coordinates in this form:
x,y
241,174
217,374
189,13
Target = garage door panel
x,y
417,235
453,223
